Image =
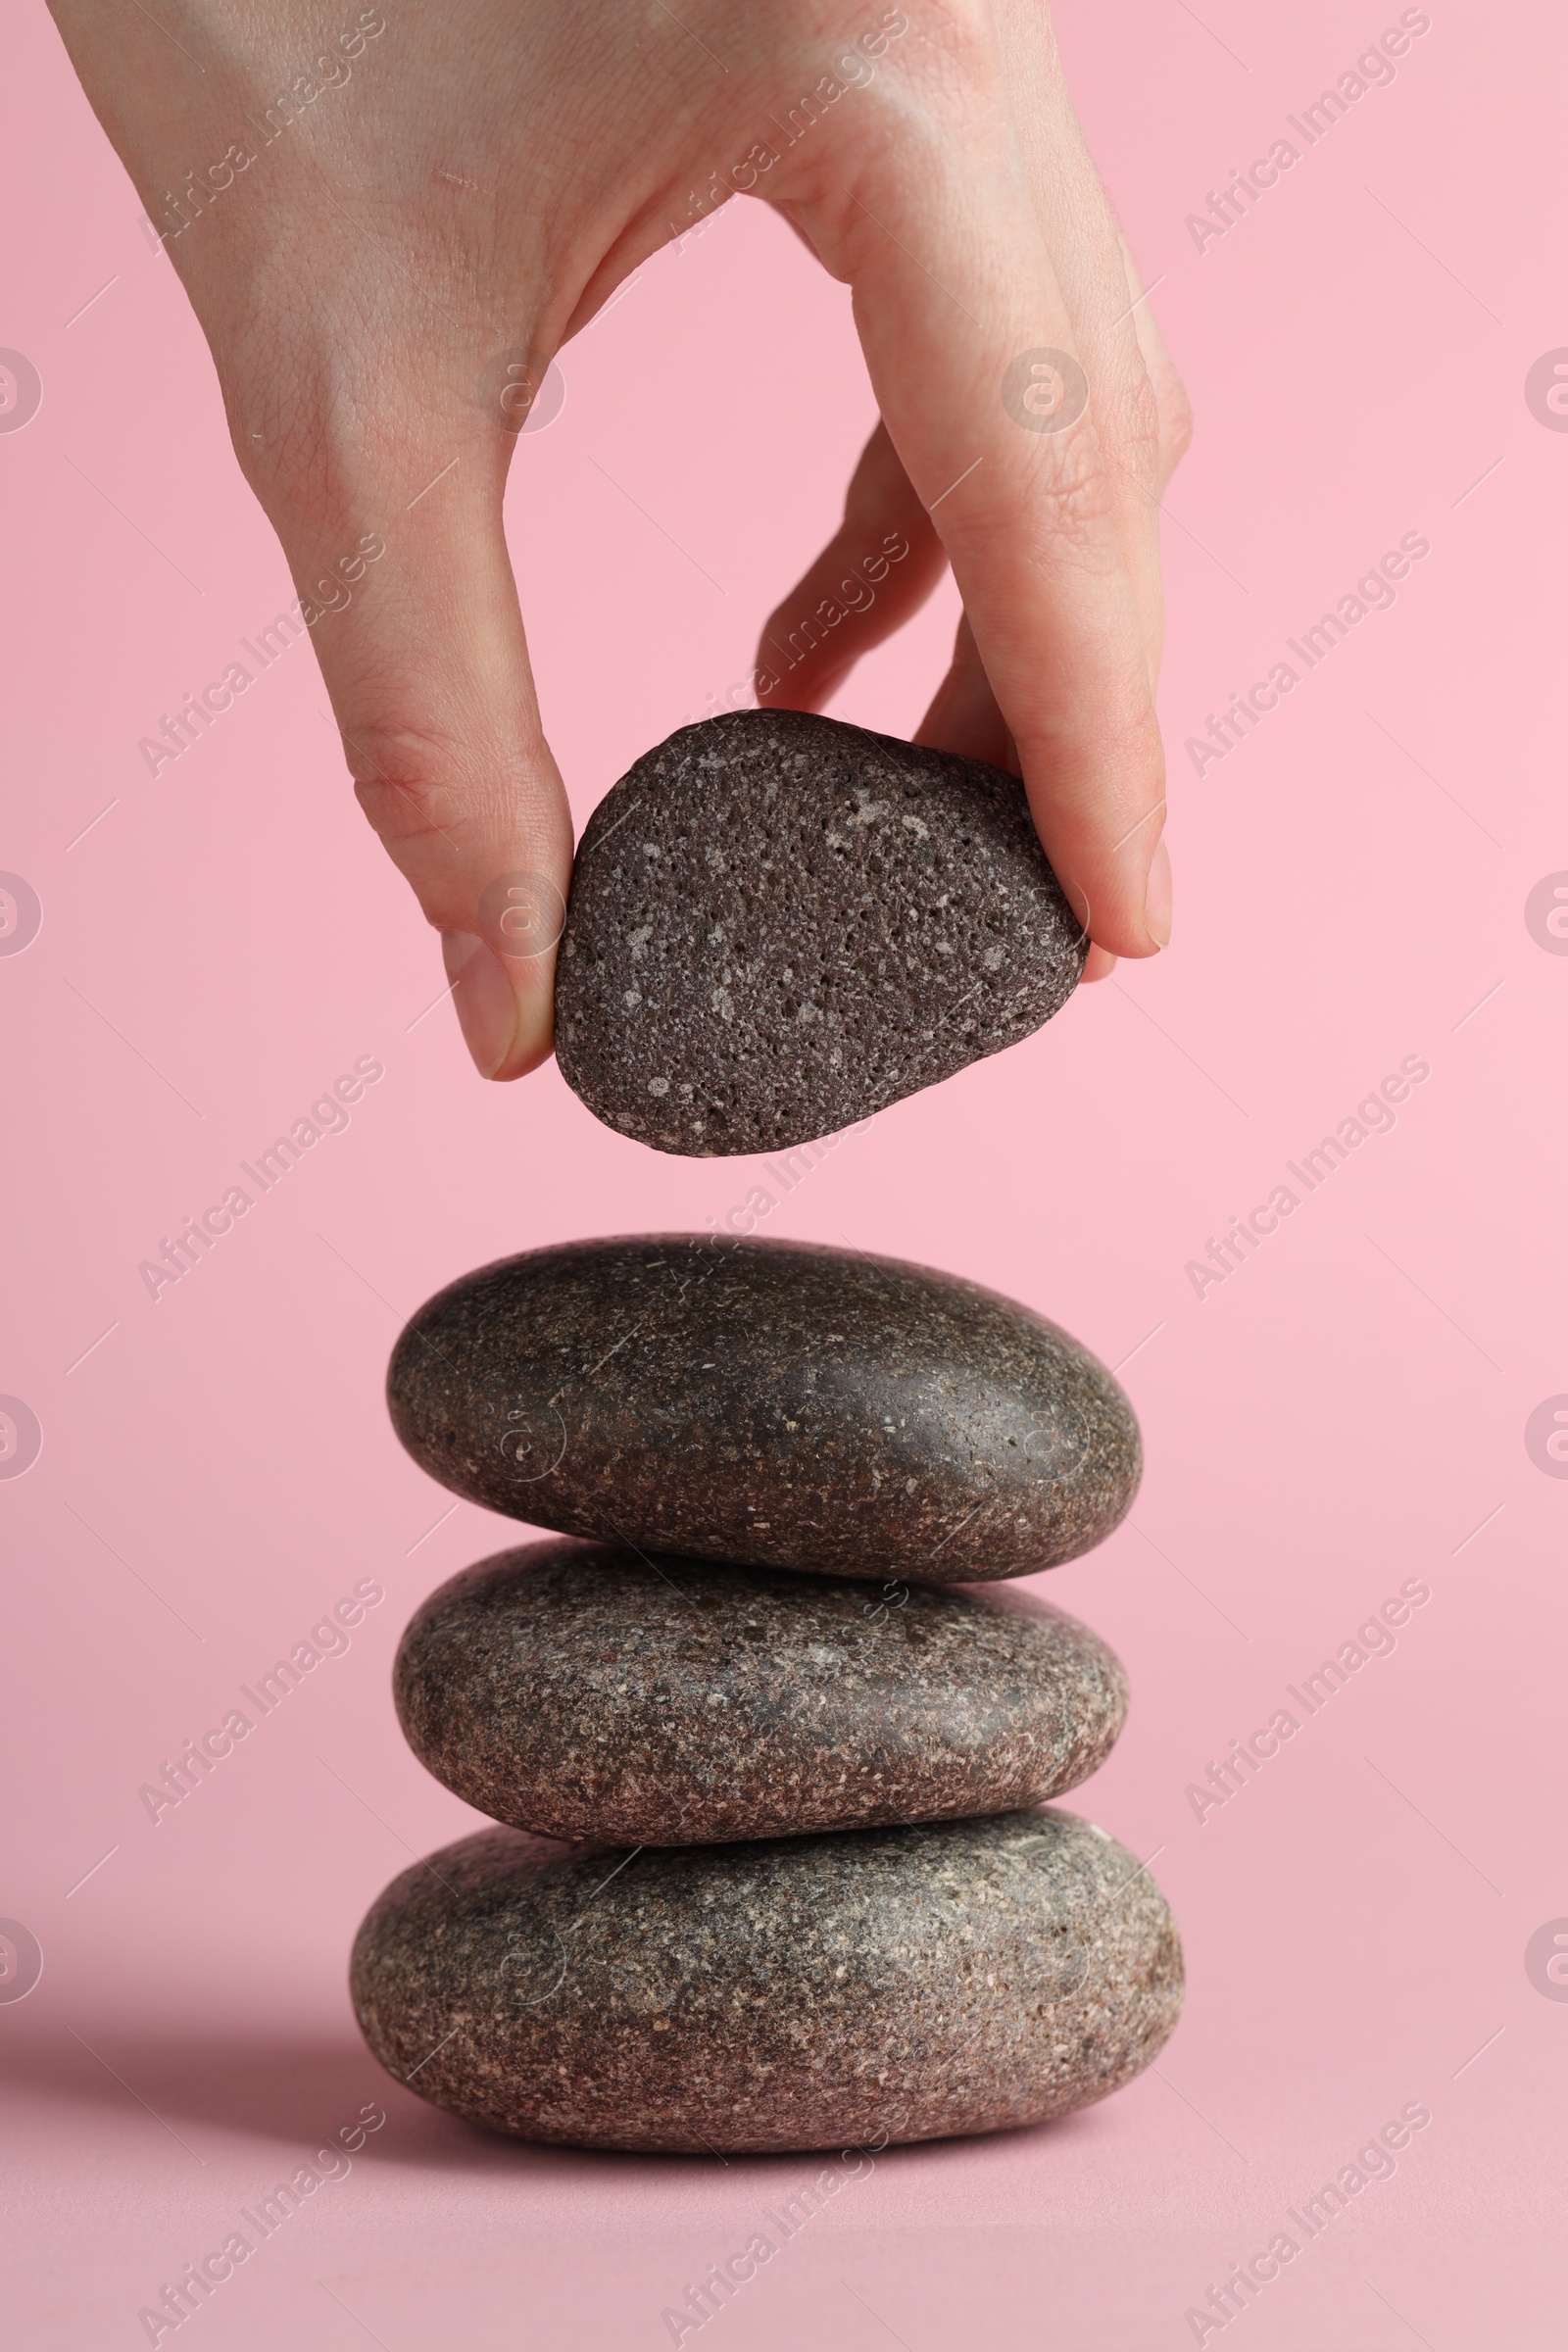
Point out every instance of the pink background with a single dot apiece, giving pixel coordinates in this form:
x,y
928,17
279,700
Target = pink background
x,y
1340,1415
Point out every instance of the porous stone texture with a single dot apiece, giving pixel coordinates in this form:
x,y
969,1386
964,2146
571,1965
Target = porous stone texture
x,y
780,924
799,1992
780,1404
586,1691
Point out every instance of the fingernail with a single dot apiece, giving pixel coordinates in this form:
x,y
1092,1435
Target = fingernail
x,y
482,992
1157,897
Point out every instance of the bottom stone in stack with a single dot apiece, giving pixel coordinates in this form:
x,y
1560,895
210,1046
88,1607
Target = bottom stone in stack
x,y
828,1992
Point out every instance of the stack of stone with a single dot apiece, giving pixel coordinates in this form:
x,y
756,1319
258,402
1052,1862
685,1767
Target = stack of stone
x,y
767,1739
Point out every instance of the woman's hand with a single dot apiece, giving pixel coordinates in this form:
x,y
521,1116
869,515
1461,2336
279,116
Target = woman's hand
x,y
389,228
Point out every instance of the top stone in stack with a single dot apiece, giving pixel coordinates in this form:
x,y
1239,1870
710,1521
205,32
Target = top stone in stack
x,y
766,1403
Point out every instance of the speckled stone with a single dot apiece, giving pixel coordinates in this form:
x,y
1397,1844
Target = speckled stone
x,y
585,1691
780,924
798,1993
776,1403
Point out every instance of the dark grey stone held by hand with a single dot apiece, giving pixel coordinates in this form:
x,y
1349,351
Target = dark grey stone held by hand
x,y
585,1691
779,924
776,1403
802,1993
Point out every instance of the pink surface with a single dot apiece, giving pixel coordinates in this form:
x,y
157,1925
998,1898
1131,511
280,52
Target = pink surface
x,y
1345,1413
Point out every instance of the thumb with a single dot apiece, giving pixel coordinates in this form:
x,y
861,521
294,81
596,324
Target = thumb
x,y
407,588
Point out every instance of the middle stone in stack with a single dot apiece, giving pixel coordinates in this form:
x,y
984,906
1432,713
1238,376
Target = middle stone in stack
x,y
779,1456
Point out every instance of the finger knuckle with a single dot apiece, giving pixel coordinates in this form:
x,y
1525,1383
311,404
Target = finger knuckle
x,y
1140,431
1070,503
406,780
320,428
1175,414
957,31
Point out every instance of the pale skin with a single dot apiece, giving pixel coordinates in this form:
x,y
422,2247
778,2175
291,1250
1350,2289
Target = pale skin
x,y
476,179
